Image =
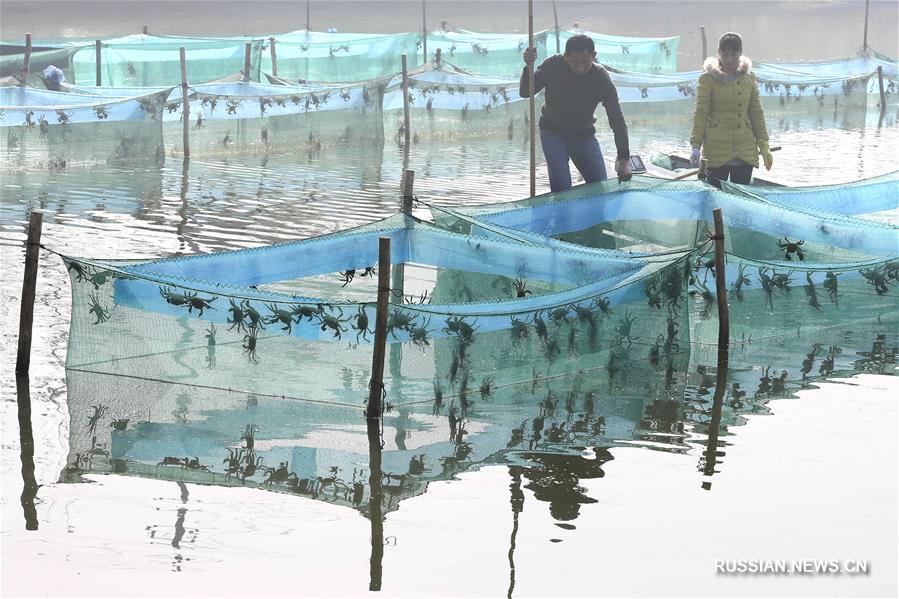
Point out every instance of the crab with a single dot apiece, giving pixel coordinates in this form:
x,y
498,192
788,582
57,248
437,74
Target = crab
x,y
43,126
361,325
624,327
521,288
307,312
280,315
877,277
232,106
237,316
253,317
329,321
767,286
457,325
831,285
603,304
736,290
419,335
519,330
63,117
94,419
790,248
811,292
101,112
97,310
199,303
249,346
540,327
348,276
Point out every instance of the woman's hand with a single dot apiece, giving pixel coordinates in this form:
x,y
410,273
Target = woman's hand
x,y
767,157
694,158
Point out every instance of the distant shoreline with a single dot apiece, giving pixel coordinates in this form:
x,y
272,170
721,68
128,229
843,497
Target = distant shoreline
x,y
785,30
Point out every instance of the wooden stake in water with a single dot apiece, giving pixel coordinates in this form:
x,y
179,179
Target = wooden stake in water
x,y
185,105
247,53
720,281
26,62
406,124
437,57
26,443
145,30
883,97
704,44
424,33
531,103
376,384
271,42
29,281
99,59
375,509
308,25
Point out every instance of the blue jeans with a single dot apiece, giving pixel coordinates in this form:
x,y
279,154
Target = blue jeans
x,y
584,153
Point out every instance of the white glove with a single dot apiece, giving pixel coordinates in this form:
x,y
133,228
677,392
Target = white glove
x,y
694,158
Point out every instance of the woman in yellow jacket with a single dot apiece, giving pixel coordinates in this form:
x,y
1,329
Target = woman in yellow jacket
x,y
728,123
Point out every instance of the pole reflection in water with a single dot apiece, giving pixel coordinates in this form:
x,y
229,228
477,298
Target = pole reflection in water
x,y
374,503
711,454
516,498
26,441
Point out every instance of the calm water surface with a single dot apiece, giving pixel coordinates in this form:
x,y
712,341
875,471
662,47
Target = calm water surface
x,y
534,497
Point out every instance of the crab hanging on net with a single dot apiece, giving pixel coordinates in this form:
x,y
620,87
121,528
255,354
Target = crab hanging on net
x,y
790,248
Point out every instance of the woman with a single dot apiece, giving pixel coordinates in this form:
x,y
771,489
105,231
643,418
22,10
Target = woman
x,y
728,123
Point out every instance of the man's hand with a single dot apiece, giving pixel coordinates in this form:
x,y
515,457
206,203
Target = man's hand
x,y
623,168
530,55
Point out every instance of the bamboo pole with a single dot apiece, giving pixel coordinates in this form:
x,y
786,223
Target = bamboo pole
x,y
406,124
375,509
424,33
99,51
407,190
531,102
247,53
865,40
556,19
26,452
26,61
883,97
308,26
720,281
271,42
185,105
705,51
437,57
29,281
145,30
380,346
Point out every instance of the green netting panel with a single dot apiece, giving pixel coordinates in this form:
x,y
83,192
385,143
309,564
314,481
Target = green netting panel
x,y
317,56
499,54
257,329
250,115
54,129
41,57
446,102
876,194
148,60
646,215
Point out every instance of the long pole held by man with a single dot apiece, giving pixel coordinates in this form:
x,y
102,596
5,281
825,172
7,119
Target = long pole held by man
x,y
532,103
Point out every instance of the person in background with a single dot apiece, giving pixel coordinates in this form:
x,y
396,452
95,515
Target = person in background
x,y
53,78
728,123
574,86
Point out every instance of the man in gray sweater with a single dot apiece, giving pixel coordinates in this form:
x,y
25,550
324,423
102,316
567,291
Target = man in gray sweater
x,y
575,85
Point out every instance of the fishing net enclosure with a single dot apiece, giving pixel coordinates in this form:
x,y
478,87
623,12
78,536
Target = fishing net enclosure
x,y
247,115
297,319
447,102
43,129
153,60
341,57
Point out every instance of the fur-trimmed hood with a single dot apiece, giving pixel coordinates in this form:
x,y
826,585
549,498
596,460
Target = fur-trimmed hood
x,y
713,67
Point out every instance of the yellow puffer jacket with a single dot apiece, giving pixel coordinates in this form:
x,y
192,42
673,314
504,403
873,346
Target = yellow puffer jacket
x,y
728,122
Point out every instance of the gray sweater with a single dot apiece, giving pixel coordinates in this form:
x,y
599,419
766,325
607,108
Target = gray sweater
x,y
571,101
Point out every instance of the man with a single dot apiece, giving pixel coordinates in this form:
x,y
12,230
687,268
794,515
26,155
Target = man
x,y
574,85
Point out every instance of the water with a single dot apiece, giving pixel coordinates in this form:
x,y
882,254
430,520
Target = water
x,y
618,510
